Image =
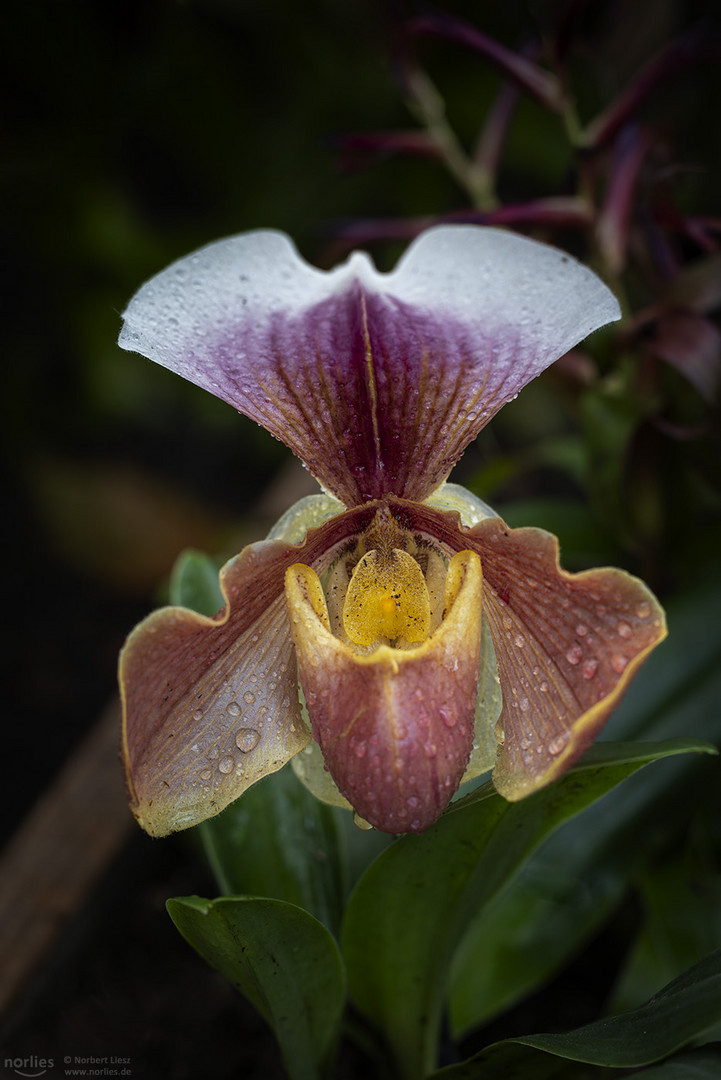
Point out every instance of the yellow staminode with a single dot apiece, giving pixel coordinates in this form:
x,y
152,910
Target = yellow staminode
x,y
387,598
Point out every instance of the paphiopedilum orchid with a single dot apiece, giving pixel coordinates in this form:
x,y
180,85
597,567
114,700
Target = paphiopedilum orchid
x,y
427,641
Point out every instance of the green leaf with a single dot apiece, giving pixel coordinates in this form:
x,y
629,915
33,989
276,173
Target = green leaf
x,y
703,1063
565,891
679,1012
194,583
507,1061
409,910
681,900
285,963
278,840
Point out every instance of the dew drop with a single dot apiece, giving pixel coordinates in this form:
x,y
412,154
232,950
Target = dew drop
x,y
524,704
557,743
198,715
507,622
226,765
360,750
624,630
581,630
430,749
618,663
574,654
205,775
447,716
543,687
589,668
247,739
413,802
643,610
233,709
248,697
519,641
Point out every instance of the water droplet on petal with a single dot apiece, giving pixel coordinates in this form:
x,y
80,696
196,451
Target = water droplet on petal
x,y
643,610
198,715
447,716
618,663
359,750
557,743
205,775
624,630
248,697
581,630
589,668
574,654
519,641
226,765
247,739
233,709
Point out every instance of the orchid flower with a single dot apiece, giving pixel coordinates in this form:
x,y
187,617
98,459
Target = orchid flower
x,y
392,635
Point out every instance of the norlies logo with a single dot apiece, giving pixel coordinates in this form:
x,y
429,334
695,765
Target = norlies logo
x,y
29,1066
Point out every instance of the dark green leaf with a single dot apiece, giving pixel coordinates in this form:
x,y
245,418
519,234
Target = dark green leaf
x,y
680,1012
565,891
703,1063
279,841
411,907
283,960
681,901
677,1014
508,1061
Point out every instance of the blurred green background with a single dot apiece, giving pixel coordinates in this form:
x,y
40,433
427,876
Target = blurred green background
x,y
134,131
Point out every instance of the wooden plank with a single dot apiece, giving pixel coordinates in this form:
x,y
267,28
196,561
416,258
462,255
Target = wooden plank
x,y
59,852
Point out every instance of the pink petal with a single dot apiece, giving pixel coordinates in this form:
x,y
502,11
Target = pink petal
x,y
567,645
395,726
376,381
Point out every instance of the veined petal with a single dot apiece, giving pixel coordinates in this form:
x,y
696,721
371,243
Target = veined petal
x,y
376,381
210,705
567,645
395,725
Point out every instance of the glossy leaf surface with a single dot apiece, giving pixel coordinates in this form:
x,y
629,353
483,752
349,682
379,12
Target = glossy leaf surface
x,y
279,841
569,886
285,963
678,1013
413,904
